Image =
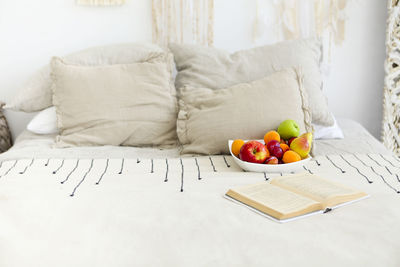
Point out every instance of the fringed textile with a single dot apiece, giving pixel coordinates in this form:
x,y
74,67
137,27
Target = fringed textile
x,y
183,21
5,135
100,2
292,19
281,20
391,92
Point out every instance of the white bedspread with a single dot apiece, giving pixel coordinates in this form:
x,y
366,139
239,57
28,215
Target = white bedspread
x,y
136,211
140,218
29,145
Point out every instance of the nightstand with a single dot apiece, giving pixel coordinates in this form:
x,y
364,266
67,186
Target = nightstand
x,y
5,135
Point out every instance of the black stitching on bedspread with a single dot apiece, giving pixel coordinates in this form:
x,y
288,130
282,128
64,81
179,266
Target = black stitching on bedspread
x,y
138,161
316,161
198,169
212,164
104,172
397,176
83,179
384,180
388,161
376,172
304,167
166,171
62,164
226,162
351,165
122,166
386,167
47,163
27,167
335,164
8,171
361,161
181,175
66,179
152,166
374,160
265,177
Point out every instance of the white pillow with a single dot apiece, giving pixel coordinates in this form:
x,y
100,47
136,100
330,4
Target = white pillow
x,y
328,132
45,122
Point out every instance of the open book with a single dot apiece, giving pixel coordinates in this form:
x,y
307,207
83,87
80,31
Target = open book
x,y
291,196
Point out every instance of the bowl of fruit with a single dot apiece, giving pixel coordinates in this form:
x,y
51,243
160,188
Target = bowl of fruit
x,y
283,150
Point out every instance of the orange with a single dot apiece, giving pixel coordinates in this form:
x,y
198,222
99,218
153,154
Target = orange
x,y
290,156
236,146
284,147
272,135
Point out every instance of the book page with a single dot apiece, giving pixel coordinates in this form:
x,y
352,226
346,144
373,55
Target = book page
x,y
322,190
273,200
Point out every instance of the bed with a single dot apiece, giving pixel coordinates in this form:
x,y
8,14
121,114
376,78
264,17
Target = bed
x,y
118,206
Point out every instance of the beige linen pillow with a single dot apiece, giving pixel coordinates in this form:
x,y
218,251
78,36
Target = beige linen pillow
x,y
209,118
124,104
215,69
36,95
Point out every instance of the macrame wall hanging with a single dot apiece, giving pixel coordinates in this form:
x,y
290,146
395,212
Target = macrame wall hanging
x,y
5,135
279,20
391,91
100,2
183,21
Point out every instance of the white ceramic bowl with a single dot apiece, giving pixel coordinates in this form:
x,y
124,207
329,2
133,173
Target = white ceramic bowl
x,y
268,168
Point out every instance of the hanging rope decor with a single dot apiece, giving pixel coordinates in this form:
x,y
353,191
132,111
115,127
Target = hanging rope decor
x,y
292,19
391,91
281,20
183,21
100,2
5,135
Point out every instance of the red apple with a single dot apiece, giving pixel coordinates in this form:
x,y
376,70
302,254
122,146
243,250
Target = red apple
x,y
272,160
290,140
277,152
253,151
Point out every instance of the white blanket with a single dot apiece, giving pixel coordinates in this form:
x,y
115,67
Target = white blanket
x,y
121,212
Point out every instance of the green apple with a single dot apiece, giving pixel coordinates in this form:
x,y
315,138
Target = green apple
x,y
288,129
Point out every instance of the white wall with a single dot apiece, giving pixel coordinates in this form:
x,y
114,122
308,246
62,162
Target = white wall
x,y
355,84
33,31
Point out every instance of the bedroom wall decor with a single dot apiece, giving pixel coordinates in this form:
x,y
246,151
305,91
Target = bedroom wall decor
x,y
100,2
5,135
391,92
290,19
183,21
280,20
